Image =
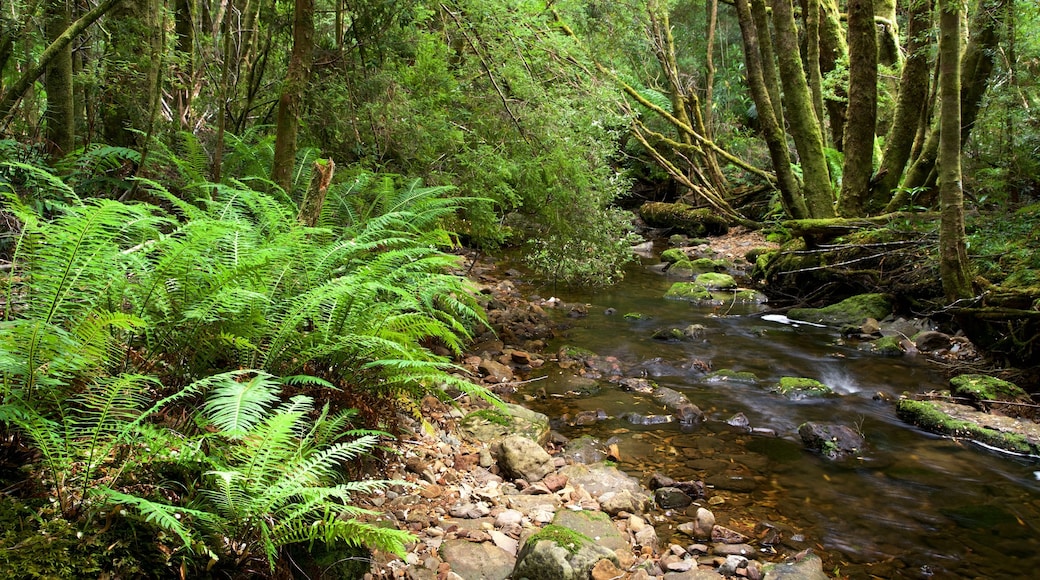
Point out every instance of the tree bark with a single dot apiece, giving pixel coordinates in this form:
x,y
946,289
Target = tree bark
x,y
130,79
790,191
770,76
53,50
290,104
833,49
862,110
812,56
314,200
60,116
804,127
910,105
953,255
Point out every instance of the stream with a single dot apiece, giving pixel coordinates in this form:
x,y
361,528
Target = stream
x,y
911,506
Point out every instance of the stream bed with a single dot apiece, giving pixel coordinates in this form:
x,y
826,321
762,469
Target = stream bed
x,y
910,506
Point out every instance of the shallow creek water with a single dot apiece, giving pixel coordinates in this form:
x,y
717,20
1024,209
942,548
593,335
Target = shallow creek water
x,y
913,506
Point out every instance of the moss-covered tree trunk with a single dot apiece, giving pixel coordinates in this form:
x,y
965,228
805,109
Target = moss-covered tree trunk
x,y
862,110
910,105
770,76
953,255
776,141
812,56
130,82
888,30
804,127
833,51
184,28
61,109
290,103
976,67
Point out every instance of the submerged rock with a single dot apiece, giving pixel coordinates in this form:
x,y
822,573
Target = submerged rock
x,y
831,440
685,411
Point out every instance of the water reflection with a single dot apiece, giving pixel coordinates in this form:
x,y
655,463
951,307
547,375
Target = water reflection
x,y
913,506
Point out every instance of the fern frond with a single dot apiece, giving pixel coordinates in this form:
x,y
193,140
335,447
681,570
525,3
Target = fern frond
x,y
235,406
166,517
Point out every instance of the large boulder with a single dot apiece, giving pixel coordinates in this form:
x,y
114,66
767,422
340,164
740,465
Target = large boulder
x,y
689,291
806,567
594,524
522,458
608,485
559,553
849,312
489,426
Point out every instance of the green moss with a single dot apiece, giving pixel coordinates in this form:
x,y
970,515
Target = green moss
x,y
673,255
702,265
635,316
927,416
491,416
564,537
851,311
669,334
688,291
716,280
983,387
802,387
571,351
886,346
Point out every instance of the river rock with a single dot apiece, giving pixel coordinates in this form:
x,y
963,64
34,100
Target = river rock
x,y
849,312
637,419
714,280
596,525
559,553
831,440
701,526
802,388
983,390
805,566
686,412
495,372
489,426
522,458
612,488
932,340
477,559
689,291
732,564
584,449
637,385
671,498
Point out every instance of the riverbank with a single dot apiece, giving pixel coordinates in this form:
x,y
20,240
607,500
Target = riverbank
x,y
484,505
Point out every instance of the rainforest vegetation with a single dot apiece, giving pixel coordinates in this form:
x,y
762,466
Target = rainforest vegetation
x,y
229,227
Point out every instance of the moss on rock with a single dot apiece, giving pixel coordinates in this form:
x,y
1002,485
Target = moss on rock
x,y
732,376
987,388
801,387
930,416
673,255
716,280
688,291
851,311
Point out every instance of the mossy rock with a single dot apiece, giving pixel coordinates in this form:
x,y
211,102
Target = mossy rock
x,y
936,417
851,311
732,376
753,254
490,425
761,263
635,316
673,255
691,291
740,296
683,268
716,280
670,334
802,388
886,346
704,265
987,388
691,221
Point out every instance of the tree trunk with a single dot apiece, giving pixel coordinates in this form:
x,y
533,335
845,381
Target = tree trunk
x,y
770,76
910,105
790,192
130,81
975,68
804,127
862,110
812,56
184,28
314,200
953,255
833,49
290,103
888,30
60,116
53,50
